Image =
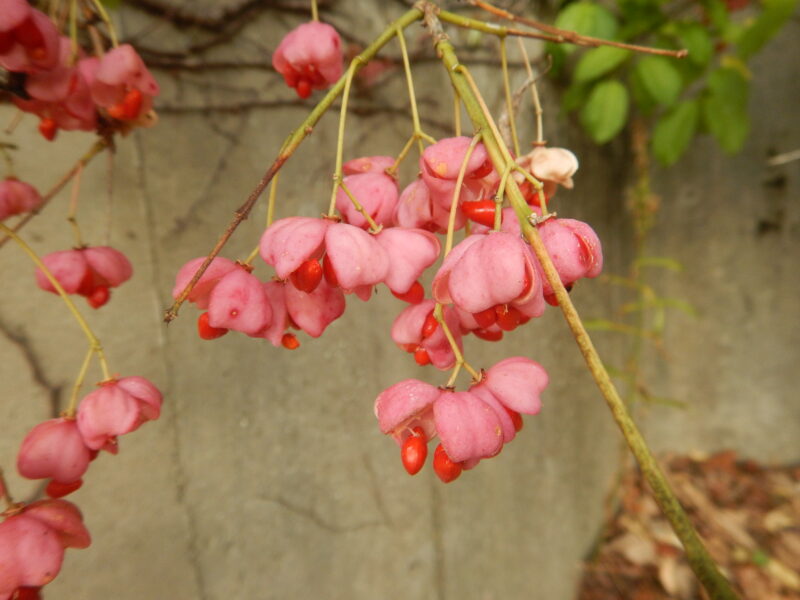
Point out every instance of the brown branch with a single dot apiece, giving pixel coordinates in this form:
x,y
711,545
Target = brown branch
x,y
565,36
98,147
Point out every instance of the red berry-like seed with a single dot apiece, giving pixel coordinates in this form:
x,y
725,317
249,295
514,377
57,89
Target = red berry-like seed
x,y
303,88
98,297
414,295
483,170
551,299
206,331
330,274
488,335
421,356
28,593
507,317
132,104
290,341
445,469
485,318
413,453
516,418
56,489
307,276
480,211
48,129
429,326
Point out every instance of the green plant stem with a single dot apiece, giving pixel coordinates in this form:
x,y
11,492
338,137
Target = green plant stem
x,y
76,388
700,561
373,226
438,313
94,343
507,91
498,199
451,221
291,144
101,11
337,174
537,106
418,133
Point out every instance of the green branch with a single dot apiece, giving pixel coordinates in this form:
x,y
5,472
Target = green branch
x,y
700,561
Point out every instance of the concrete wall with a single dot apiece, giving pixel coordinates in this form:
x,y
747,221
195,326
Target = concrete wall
x,y
266,476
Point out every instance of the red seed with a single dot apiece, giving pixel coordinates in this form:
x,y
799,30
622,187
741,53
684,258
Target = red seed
x,y
485,318
290,341
99,296
132,104
330,274
483,170
307,276
551,299
303,87
488,335
445,469
516,418
480,211
429,326
409,347
48,129
206,331
414,295
421,356
56,489
507,317
28,593
413,453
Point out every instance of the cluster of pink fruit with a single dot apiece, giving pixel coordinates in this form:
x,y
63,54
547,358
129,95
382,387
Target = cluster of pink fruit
x,y
87,271
67,90
33,537
489,283
108,93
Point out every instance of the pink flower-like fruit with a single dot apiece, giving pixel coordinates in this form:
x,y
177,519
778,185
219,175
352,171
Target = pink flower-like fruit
x,y
309,57
17,197
89,272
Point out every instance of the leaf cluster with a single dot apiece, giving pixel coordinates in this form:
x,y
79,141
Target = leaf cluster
x,y
706,92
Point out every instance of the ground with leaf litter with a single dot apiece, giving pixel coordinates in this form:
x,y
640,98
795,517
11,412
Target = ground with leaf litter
x,y
748,513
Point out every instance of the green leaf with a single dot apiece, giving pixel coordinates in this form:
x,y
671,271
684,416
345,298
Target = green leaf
x,y
768,23
725,108
606,110
694,37
575,96
587,18
660,78
726,123
640,95
717,12
730,84
599,61
674,131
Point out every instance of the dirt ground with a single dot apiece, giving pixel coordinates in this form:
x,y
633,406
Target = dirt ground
x,y
748,514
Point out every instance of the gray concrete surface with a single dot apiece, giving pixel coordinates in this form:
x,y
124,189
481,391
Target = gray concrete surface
x,y
266,476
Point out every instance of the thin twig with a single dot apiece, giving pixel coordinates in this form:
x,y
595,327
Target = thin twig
x,y
571,37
